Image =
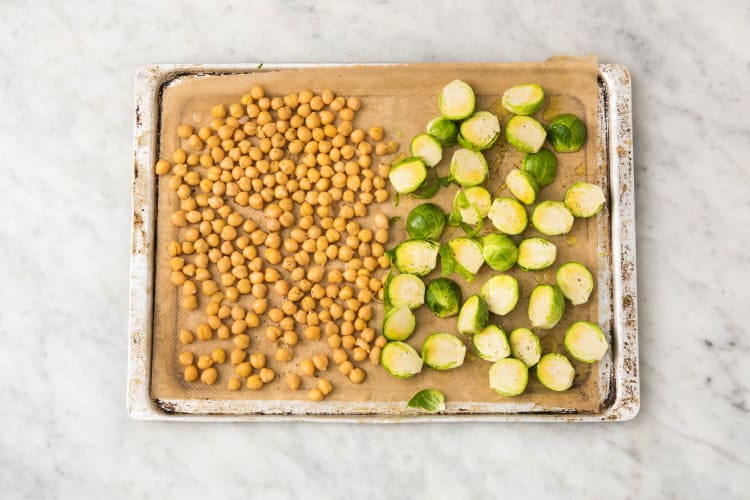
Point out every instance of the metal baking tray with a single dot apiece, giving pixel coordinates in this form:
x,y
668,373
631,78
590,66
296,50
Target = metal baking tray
x,y
618,305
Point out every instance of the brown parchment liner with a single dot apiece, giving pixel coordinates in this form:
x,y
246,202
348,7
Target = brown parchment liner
x,y
401,99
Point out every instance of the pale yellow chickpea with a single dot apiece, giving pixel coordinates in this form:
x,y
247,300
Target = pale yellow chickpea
x,y
339,356
190,373
307,367
209,376
315,395
346,368
267,375
186,358
292,381
312,332
325,386
254,382
282,355
218,355
357,375
243,369
186,336
237,356
320,361
234,384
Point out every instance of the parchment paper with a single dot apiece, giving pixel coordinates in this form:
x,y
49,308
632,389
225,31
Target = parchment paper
x,y
402,99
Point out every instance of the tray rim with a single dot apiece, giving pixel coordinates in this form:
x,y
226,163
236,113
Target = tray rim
x,y
618,117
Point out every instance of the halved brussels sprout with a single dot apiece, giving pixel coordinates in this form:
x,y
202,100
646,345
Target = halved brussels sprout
x,y
480,131
405,290
491,343
426,221
522,185
407,175
566,133
575,281
467,253
500,293
443,351
473,315
499,251
472,204
416,256
456,100
468,168
523,99
555,372
443,129
399,324
584,199
427,148
443,297
541,165
525,346
508,216
509,377
400,359
586,342
536,253
552,218
546,306
525,133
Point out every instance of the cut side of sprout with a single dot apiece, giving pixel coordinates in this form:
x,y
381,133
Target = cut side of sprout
x,y
428,148
473,315
552,218
555,372
500,293
417,256
399,324
480,131
400,360
468,168
546,306
584,199
491,343
456,100
522,185
443,351
443,129
509,377
586,342
525,346
467,253
508,216
406,290
536,253
472,204
525,133
523,99
407,175
576,282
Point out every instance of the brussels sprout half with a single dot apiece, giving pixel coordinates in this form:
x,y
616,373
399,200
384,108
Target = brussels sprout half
x,y
473,315
472,204
443,129
443,297
541,165
400,359
499,251
427,148
456,100
480,131
525,133
586,342
508,216
399,324
584,199
523,99
416,256
535,254
575,281
405,290
566,133
407,175
426,221
552,218
491,343
467,254
522,185
525,346
509,377
468,168
500,293
555,372
546,306
443,351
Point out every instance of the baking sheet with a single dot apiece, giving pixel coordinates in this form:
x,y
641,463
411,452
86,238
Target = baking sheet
x,y
593,392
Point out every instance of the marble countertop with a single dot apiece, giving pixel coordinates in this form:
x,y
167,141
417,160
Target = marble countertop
x,y
66,90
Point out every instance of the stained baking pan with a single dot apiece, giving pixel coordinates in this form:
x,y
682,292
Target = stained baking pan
x,y
617,391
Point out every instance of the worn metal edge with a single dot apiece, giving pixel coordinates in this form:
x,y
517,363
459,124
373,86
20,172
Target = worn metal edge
x,y
141,406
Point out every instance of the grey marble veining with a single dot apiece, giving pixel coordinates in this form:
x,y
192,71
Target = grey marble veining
x,y
66,92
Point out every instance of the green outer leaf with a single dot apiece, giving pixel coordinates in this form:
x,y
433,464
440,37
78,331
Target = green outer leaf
x,y
430,400
447,262
443,297
566,133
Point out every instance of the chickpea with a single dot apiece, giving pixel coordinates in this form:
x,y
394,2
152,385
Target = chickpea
x,y
312,332
186,358
190,373
186,336
234,384
315,395
375,355
346,368
254,382
320,361
282,355
307,367
218,355
292,381
359,354
357,375
209,376
243,369
339,356
290,338
325,386
267,375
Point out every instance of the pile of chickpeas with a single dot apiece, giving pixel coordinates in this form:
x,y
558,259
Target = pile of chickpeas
x,y
308,175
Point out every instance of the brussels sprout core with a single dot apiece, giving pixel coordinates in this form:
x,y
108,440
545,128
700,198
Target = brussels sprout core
x,y
406,290
546,306
417,256
522,185
468,168
584,199
427,148
525,133
552,218
456,100
523,99
509,377
491,343
407,175
443,351
536,253
472,204
526,346
480,131
586,342
508,216
575,281
473,315
555,372
500,293
400,360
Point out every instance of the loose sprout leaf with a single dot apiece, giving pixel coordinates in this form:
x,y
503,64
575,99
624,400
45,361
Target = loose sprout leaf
x,y
260,65
447,262
387,300
395,200
428,189
393,220
430,400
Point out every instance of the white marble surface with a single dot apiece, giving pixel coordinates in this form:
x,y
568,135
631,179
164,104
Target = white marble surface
x,y
66,91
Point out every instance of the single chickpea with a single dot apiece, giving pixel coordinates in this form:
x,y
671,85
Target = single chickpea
x,y
267,375
307,367
357,375
234,384
237,356
186,358
282,354
315,395
190,373
243,369
339,356
325,386
320,361
218,355
346,368
292,381
254,382
209,376
375,355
